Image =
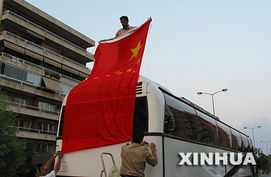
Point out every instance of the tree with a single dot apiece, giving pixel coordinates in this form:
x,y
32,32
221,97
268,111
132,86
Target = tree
x,y
263,161
12,149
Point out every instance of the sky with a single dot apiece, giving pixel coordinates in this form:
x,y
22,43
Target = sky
x,y
193,46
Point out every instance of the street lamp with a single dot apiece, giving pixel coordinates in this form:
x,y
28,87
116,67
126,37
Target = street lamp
x,y
252,129
212,94
266,142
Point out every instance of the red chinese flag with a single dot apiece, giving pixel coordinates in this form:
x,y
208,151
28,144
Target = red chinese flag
x,y
100,110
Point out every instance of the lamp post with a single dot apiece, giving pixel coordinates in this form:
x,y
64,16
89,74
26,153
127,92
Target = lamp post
x,y
212,94
252,129
266,143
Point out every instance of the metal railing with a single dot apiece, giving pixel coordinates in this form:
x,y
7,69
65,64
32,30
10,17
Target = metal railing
x,y
17,59
42,48
17,81
45,30
29,107
7,78
35,130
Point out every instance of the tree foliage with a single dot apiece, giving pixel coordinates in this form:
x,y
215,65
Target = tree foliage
x,y
12,149
263,161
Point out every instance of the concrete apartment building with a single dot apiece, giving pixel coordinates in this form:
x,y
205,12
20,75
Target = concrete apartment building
x,y
41,59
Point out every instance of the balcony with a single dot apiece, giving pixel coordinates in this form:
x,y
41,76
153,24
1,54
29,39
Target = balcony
x,y
24,8
35,134
7,58
16,21
28,88
24,46
31,110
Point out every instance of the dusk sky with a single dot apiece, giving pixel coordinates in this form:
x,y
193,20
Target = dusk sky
x,y
194,45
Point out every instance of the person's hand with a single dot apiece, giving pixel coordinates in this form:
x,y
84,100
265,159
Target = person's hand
x,y
153,146
60,155
143,143
57,153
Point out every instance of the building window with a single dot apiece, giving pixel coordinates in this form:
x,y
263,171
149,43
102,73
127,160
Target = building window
x,y
20,123
34,79
51,148
52,127
4,97
44,147
15,73
48,128
20,101
22,75
37,147
47,106
66,88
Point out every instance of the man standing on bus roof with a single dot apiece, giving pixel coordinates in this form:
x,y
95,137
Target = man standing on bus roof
x,y
135,156
125,26
124,20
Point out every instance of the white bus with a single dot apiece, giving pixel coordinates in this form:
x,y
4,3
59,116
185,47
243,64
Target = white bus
x,y
175,125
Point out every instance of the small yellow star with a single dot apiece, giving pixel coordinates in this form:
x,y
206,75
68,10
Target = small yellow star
x,y
129,70
138,61
136,50
118,72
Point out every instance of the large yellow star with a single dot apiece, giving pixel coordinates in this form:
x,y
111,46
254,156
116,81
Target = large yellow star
x,y
136,50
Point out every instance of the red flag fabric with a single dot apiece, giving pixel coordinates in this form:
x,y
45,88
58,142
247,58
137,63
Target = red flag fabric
x,y
100,110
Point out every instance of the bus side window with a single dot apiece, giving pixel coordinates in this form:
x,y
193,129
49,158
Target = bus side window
x,y
250,145
224,134
245,142
207,129
141,115
236,140
184,118
169,125
60,132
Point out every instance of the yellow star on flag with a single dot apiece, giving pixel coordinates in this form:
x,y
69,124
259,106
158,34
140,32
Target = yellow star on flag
x,y
138,61
129,70
136,50
118,72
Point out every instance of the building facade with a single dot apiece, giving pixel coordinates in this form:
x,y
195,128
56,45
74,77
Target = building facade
x,y
41,59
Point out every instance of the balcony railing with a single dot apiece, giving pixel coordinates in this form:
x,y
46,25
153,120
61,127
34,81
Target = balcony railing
x,y
35,130
16,81
10,79
29,107
44,30
19,60
42,48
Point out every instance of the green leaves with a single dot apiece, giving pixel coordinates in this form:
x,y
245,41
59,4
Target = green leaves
x,y
12,148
